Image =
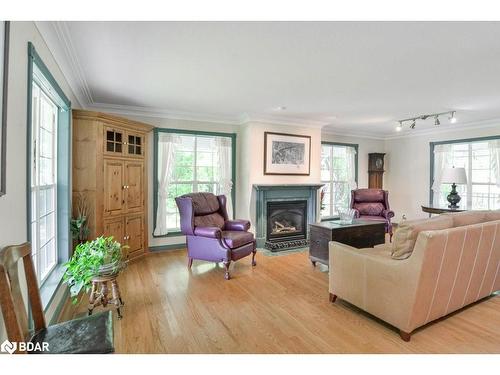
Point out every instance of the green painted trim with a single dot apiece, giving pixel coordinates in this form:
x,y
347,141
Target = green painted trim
x,y
60,306
156,133
356,147
176,246
63,159
432,145
170,234
35,58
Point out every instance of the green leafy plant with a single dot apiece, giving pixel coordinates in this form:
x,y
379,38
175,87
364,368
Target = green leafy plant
x,y
102,256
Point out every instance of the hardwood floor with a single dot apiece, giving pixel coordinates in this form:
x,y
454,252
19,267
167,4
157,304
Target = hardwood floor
x,y
280,306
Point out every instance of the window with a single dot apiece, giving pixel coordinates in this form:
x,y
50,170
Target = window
x,y
43,182
339,173
189,162
481,159
49,170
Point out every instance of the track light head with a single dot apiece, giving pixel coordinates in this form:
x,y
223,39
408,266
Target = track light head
x,y
453,119
399,127
412,126
436,122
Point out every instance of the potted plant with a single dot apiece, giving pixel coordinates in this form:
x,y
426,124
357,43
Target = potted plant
x,y
79,226
100,257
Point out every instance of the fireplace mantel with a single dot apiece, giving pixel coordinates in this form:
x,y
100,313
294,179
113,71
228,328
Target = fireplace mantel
x,y
283,192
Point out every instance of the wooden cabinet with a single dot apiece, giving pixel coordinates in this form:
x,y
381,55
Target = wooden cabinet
x,y
114,187
109,174
360,234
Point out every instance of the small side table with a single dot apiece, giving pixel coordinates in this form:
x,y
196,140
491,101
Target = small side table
x,y
439,210
99,293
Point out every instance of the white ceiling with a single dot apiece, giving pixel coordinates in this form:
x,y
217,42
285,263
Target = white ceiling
x,y
352,77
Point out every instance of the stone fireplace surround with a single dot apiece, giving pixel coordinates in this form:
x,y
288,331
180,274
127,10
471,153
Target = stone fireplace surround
x,y
265,193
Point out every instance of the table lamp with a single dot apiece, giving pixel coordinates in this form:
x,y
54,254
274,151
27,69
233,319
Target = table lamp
x,y
454,176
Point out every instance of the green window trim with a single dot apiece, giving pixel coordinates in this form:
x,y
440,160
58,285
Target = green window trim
x,y
156,133
36,67
432,145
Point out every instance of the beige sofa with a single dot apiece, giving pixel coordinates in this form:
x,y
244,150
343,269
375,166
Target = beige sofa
x,y
445,269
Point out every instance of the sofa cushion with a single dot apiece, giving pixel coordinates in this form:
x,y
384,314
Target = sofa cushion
x,y
370,209
235,239
407,233
467,217
211,220
493,215
368,195
204,203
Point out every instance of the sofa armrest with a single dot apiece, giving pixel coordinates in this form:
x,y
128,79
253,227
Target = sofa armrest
x,y
388,214
208,232
373,281
237,225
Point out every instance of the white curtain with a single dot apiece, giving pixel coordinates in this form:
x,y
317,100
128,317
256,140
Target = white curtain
x,y
167,143
225,175
494,147
351,168
441,157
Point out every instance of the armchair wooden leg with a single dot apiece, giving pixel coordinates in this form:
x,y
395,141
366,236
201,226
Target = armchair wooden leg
x,y
190,262
405,335
226,274
390,237
332,297
254,263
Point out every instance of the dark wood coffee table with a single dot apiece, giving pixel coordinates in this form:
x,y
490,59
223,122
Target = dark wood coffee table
x,y
359,234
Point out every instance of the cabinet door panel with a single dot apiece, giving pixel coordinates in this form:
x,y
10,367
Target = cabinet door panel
x,y
134,232
134,186
113,187
135,144
115,228
114,141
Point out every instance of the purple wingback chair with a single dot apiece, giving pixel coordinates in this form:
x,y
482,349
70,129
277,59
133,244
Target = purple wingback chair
x,y
210,235
373,204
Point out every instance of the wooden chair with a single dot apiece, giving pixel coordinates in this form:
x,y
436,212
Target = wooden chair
x,y
92,334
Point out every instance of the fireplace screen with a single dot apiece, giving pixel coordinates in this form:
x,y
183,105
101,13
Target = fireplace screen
x,y
286,220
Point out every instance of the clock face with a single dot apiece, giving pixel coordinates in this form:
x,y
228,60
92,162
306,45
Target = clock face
x,y
379,163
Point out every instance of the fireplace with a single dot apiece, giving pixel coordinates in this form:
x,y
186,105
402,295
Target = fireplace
x,y
286,224
283,214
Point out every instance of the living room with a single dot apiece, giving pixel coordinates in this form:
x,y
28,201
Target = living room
x,y
237,187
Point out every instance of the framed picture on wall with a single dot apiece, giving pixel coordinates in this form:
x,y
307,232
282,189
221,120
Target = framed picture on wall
x,y
286,154
4,67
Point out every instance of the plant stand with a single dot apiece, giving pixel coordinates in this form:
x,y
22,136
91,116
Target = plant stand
x,y
99,293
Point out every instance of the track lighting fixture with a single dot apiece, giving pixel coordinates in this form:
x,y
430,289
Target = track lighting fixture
x,y
437,122
452,118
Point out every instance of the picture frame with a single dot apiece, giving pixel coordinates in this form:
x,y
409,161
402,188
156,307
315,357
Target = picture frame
x,y
287,154
4,74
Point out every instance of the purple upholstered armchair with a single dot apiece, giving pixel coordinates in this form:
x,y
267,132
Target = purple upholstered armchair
x,y
373,204
210,234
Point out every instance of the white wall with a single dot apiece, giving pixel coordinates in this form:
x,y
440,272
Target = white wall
x,y
408,168
365,146
252,163
13,220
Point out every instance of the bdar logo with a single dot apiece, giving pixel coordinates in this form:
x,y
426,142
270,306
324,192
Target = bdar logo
x,y
8,347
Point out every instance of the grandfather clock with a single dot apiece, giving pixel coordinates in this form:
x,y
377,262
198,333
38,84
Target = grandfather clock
x,y
375,170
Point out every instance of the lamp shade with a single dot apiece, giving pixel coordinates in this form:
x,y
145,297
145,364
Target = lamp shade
x,y
454,176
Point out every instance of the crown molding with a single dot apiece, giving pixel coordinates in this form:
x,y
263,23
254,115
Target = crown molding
x,y
128,110
341,133
58,41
